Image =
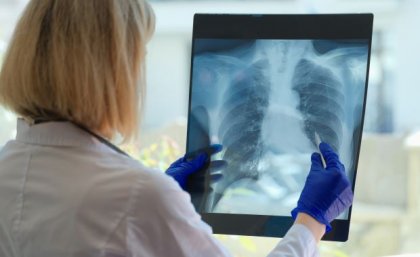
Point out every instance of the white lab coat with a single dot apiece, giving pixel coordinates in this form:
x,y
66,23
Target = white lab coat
x,y
63,193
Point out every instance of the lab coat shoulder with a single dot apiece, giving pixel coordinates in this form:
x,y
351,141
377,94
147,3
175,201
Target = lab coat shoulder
x,y
161,220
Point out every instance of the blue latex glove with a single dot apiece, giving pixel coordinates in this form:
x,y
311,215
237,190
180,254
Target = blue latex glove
x,y
327,191
191,163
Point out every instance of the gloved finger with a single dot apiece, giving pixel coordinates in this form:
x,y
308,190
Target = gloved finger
x,y
215,170
341,167
200,160
210,150
217,165
215,148
330,156
215,177
316,161
196,164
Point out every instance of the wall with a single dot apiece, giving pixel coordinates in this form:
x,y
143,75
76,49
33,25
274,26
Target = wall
x,y
168,71
407,67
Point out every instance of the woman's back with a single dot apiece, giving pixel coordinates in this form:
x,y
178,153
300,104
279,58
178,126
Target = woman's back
x,y
56,185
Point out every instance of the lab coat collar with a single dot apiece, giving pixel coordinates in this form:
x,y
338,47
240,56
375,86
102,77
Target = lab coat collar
x,y
54,133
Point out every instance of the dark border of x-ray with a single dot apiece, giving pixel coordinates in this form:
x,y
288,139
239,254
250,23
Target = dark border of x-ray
x,y
290,26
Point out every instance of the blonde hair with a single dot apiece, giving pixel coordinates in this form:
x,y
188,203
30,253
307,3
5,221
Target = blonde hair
x,y
79,60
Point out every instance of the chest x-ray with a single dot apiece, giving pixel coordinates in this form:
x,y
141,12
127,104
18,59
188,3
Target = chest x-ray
x,y
264,100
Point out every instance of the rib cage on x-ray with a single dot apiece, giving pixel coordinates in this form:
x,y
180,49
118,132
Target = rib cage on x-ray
x,y
242,112
265,101
321,100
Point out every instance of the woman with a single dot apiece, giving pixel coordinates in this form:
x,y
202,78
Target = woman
x,y
71,73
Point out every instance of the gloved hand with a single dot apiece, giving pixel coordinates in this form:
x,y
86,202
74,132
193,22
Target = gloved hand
x,y
327,191
181,169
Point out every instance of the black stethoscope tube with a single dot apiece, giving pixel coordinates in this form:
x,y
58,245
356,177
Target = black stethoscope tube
x,y
101,139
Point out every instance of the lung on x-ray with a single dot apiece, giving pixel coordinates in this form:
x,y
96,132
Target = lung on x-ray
x,y
264,100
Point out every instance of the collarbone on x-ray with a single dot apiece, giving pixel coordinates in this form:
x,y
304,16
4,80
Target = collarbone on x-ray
x,y
265,101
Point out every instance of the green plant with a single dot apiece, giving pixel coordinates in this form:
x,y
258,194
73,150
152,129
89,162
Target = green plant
x,y
158,155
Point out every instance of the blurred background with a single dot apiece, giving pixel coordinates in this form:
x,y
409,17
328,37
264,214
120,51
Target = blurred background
x,y
386,212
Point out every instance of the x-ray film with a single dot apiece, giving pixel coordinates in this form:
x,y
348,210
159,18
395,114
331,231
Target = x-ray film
x,y
268,102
